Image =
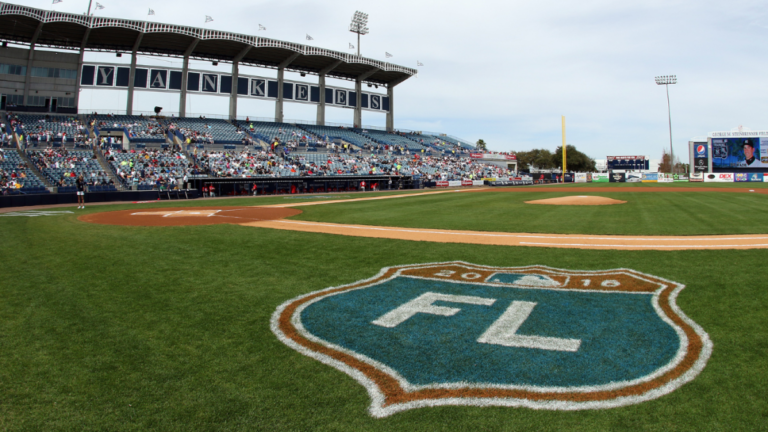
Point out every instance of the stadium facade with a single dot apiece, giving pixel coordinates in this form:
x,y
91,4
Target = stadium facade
x,y
32,80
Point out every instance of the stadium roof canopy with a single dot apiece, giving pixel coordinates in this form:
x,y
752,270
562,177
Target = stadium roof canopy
x,y
27,25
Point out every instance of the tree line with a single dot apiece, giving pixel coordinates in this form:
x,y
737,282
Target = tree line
x,y
544,159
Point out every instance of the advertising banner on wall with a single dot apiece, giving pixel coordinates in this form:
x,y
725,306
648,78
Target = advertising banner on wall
x,y
599,178
739,153
650,177
697,177
701,165
680,177
700,158
500,182
617,178
719,177
581,177
665,178
749,177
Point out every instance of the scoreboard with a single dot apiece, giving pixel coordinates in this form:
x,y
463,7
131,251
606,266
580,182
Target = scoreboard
x,y
628,163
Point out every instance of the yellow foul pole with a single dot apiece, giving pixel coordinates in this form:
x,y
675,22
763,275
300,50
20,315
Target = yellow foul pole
x,y
563,117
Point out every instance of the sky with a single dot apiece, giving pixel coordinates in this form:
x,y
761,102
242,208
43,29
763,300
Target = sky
x,y
506,72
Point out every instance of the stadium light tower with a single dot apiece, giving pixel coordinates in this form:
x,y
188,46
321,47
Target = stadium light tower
x,y
666,80
359,25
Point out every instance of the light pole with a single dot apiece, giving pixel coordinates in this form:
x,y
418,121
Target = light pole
x,y
666,80
358,25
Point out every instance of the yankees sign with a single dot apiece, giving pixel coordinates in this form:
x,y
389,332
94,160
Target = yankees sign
x,y
463,334
115,76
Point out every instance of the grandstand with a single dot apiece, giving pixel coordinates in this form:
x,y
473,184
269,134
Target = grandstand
x,y
62,167
148,169
224,148
268,131
391,139
330,134
13,168
49,128
212,131
138,128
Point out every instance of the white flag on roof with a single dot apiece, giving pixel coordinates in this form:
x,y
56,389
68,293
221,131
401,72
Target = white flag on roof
x,y
57,1
310,37
261,27
388,54
351,46
99,6
208,18
418,63
151,12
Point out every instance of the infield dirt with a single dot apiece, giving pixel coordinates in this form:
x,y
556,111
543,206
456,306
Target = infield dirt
x,y
189,216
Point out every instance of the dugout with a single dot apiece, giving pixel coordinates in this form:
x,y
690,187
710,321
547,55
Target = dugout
x,y
232,186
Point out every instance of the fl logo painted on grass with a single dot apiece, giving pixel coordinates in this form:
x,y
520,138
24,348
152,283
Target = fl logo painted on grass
x,y
463,334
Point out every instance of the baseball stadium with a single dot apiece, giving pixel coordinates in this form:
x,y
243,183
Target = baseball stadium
x,y
166,271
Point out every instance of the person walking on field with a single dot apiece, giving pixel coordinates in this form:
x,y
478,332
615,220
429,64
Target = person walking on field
x,y
80,183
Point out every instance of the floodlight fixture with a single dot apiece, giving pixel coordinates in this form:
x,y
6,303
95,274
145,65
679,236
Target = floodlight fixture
x,y
359,25
666,80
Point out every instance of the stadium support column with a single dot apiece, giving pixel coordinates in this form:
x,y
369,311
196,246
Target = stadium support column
x,y
80,68
391,96
358,120
235,77
280,77
321,102
132,75
30,59
184,73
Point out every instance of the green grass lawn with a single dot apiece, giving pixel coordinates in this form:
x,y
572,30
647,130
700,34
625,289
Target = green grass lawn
x,y
132,328
670,213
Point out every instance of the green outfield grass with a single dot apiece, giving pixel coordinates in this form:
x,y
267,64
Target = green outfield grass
x,y
670,213
135,328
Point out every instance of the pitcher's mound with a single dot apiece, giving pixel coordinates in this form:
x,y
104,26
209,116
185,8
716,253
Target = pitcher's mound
x,y
577,200
188,216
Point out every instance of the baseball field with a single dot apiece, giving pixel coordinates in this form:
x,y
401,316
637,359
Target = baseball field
x,y
190,325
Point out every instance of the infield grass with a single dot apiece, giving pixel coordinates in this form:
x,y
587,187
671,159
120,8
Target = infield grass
x,y
644,213
167,328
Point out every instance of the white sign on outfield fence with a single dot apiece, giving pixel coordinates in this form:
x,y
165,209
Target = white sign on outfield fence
x,y
719,177
580,177
454,183
477,183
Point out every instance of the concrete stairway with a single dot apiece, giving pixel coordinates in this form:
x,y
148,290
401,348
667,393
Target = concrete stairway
x,y
110,172
34,168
